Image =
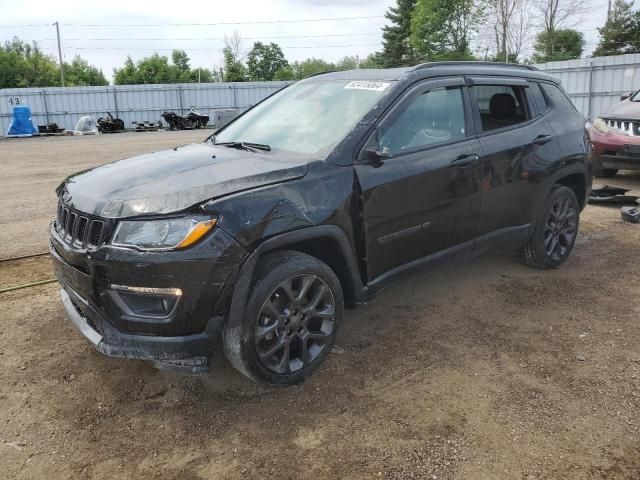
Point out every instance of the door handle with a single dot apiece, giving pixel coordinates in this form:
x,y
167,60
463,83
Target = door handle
x,y
465,160
542,139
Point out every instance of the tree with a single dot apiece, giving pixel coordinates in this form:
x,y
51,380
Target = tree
x,y
263,61
127,74
80,73
373,60
396,44
180,61
441,29
157,69
348,63
621,32
498,17
24,65
310,66
519,35
565,44
556,16
234,70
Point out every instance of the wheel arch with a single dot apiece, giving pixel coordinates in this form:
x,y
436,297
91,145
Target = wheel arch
x,y
328,243
578,183
574,177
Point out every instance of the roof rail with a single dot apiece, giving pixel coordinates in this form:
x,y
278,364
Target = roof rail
x,y
318,73
473,63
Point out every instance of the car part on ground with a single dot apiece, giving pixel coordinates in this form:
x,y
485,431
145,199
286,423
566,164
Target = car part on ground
x,y
198,120
147,126
50,129
630,214
224,116
110,124
612,195
192,120
86,125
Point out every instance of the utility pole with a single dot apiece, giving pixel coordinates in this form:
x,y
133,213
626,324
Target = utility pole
x,y
60,54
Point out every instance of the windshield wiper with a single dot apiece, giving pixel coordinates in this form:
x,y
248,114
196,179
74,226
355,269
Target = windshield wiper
x,y
246,146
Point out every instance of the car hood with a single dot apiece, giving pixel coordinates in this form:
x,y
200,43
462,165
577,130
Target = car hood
x,y
173,180
625,110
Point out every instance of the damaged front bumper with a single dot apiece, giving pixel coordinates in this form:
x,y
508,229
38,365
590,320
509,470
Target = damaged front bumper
x,y
190,353
120,322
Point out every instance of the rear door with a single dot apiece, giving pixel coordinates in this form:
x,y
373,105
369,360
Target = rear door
x,y
518,145
423,196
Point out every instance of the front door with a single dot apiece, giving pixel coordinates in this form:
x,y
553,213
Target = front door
x,y
421,194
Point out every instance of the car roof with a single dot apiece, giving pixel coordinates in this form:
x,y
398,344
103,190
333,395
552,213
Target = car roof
x,y
433,69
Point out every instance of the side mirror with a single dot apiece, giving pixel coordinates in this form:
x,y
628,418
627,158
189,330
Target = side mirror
x,y
375,156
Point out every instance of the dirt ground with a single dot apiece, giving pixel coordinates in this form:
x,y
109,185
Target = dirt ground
x,y
486,370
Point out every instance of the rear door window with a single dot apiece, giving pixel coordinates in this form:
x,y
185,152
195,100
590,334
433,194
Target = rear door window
x,y
500,106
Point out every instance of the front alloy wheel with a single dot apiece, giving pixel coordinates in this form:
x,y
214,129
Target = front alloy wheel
x,y
290,322
295,324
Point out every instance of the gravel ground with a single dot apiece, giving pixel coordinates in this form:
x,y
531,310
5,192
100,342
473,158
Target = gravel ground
x,y
486,370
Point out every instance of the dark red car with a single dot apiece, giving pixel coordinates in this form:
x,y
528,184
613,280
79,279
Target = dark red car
x,y
615,137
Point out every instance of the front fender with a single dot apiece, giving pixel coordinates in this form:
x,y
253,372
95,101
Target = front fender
x,y
240,288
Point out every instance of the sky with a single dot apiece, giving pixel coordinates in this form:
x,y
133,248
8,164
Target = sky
x,y
104,33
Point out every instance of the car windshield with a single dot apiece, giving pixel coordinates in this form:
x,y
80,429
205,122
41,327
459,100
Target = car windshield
x,y
635,97
308,117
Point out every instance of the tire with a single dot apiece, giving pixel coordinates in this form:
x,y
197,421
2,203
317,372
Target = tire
x,y
555,232
605,172
295,308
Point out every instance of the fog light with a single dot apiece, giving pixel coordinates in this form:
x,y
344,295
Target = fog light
x,y
146,301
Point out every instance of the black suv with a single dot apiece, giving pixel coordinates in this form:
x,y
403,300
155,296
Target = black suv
x,y
313,200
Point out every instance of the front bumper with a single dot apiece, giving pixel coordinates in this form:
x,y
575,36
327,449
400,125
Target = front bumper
x,y
615,151
189,353
184,338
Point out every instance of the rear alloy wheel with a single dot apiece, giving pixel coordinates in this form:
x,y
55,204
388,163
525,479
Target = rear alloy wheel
x,y
291,320
560,229
555,233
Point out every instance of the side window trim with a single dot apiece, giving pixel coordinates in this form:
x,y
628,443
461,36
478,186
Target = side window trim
x,y
562,91
540,110
501,81
411,94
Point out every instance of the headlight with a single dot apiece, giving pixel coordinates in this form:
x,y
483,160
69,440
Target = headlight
x,y
164,234
601,126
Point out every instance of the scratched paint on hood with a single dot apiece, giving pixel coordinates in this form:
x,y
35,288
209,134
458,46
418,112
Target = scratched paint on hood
x,y
173,180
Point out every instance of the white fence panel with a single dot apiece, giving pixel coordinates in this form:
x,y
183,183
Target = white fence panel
x,y
131,103
595,84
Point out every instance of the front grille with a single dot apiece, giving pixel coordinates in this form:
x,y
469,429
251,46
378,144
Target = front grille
x,y
78,229
630,127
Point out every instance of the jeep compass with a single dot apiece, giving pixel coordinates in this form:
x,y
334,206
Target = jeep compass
x,y
321,195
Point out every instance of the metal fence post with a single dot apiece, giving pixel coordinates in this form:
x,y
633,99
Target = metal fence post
x,y
115,101
590,90
235,95
44,104
180,99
